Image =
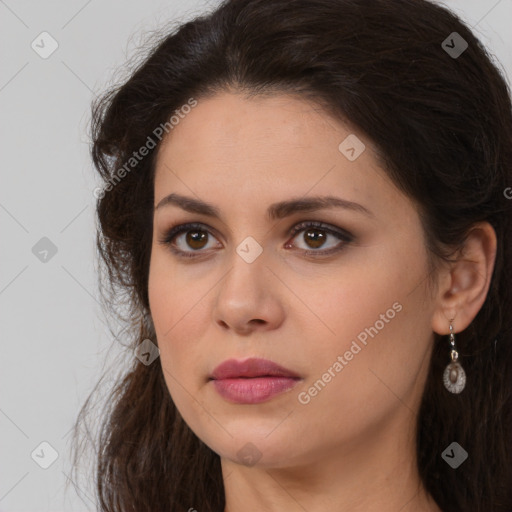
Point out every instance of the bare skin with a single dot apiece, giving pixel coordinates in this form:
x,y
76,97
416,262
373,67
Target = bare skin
x,y
351,445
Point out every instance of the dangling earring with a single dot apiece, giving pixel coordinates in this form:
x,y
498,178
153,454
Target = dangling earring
x,y
454,377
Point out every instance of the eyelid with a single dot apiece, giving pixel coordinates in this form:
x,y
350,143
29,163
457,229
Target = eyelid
x,y
180,228
329,228
343,235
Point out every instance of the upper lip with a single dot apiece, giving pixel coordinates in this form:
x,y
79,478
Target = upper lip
x,y
252,367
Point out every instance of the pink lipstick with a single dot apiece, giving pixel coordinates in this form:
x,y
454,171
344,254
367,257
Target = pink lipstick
x,y
252,381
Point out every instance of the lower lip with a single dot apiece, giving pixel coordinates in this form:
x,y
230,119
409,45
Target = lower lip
x,y
253,390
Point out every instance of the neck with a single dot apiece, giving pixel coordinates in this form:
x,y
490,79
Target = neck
x,y
374,474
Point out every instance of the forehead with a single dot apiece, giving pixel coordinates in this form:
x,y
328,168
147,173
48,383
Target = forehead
x,y
231,119
247,151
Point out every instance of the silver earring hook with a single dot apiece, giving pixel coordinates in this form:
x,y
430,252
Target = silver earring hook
x,y
453,353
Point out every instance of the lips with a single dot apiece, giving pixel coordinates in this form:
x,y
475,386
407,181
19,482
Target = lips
x,y
252,381
250,368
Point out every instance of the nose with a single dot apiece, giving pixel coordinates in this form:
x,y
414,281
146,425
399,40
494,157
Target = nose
x,y
248,298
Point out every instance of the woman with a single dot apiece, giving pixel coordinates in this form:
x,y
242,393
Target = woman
x,y
306,207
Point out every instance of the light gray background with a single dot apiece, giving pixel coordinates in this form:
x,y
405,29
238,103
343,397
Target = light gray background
x,y
54,338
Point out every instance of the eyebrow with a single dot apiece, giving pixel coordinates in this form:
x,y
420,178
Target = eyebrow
x,y
275,211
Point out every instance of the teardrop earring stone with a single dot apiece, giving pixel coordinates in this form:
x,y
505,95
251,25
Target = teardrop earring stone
x,y
454,378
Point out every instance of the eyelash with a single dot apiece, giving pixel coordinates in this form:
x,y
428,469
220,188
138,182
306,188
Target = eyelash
x,y
176,230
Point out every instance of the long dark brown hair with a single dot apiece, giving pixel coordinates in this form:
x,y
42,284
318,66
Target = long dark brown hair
x,y
442,126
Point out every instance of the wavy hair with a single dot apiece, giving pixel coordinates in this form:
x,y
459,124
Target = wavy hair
x,y
442,126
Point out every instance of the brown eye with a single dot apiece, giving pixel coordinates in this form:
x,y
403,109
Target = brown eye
x,y
188,240
317,235
196,239
315,238
192,240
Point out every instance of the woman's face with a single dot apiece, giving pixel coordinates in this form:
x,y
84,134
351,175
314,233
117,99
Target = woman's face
x,y
345,307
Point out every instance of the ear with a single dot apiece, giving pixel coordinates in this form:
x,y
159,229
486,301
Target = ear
x,y
463,286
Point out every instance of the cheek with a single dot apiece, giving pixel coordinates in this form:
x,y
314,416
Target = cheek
x,y
166,311
161,298
182,357
179,311
172,297
375,316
